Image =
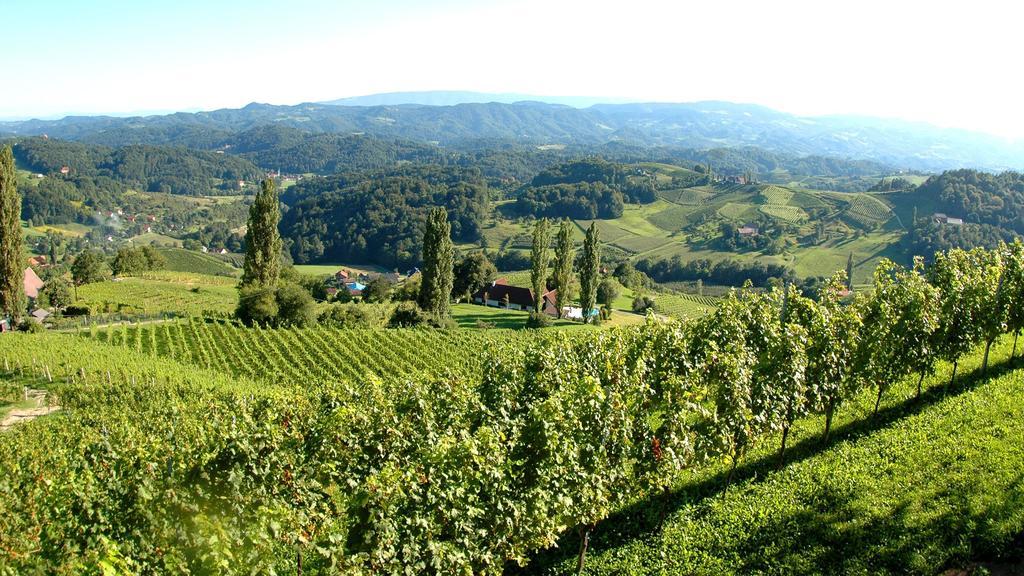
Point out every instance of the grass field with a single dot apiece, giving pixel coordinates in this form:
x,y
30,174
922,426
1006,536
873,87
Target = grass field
x,y
920,488
154,239
469,315
181,260
331,269
159,292
71,229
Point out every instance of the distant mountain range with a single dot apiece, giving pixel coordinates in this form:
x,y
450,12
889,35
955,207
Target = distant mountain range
x,y
447,118
453,98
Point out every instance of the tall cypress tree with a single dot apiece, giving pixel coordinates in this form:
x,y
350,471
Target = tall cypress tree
x,y
12,266
849,272
262,265
539,256
589,265
438,264
563,264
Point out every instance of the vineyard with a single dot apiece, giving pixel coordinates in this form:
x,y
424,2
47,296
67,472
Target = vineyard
x,y
683,305
170,456
866,210
298,356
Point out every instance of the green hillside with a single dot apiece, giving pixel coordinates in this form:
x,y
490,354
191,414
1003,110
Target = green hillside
x,y
180,260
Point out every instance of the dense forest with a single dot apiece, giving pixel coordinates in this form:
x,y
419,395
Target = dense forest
x,y
296,152
170,170
585,189
724,272
378,217
928,237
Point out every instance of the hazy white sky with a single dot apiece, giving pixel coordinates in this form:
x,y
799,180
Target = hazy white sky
x,y
949,63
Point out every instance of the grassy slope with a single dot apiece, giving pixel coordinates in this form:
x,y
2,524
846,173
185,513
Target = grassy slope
x,y
923,486
180,260
162,292
331,269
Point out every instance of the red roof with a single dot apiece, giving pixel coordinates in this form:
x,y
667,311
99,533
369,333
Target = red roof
x,y
33,284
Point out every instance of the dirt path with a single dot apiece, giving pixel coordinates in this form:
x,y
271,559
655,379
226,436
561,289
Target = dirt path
x,y
41,408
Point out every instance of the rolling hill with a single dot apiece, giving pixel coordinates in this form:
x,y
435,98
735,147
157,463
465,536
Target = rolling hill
x,y
694,125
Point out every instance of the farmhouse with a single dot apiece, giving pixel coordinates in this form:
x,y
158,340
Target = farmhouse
x,y
943,219
501,294
37,261
747,231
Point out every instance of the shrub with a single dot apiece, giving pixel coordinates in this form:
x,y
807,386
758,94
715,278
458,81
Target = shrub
x,y
538,320
77,311
641,304
294,306
257,305
31,326
407,315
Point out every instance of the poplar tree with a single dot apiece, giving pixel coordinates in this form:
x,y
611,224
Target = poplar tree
x,y
12,268
438,265
849,272
262,265
589,265
539,256
563,265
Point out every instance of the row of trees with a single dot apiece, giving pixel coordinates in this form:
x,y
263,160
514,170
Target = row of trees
x,y
562,277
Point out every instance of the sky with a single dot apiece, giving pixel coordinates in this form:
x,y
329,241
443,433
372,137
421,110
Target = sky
x,y
953,64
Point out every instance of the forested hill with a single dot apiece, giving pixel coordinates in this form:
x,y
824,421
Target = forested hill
x,y
990,205
379,217
586,189
172,170
979,197
697,125
296,152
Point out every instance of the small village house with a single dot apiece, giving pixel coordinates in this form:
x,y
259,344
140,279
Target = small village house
x,y
501,294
